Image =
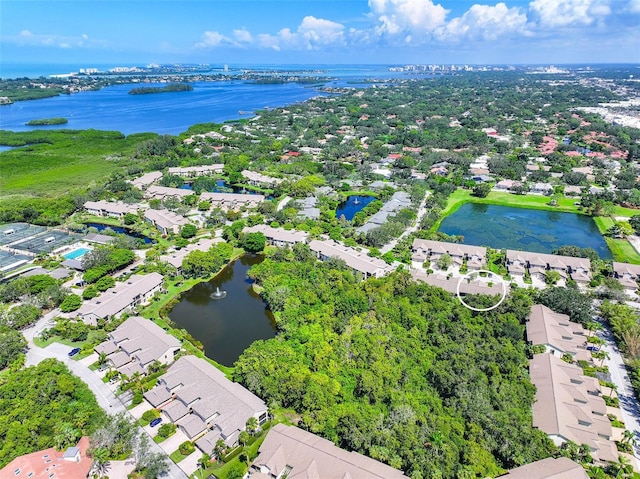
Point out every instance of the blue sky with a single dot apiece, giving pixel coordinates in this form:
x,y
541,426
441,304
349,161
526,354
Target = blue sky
x,y
328,31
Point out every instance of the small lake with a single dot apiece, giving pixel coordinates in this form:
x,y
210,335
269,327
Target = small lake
x,y
120,230
353,204
523,229
227,326
223,187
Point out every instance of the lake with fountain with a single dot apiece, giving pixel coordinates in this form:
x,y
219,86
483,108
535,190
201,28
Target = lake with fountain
x,y
523,229
352,205
225,314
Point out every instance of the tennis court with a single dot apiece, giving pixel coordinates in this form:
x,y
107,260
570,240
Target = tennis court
x,y
46,242
12,232
9,260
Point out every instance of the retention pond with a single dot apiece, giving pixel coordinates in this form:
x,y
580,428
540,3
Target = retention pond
x,y
503,227
225,325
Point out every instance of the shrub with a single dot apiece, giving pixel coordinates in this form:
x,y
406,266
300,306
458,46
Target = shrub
x,y
150,415
71,303
186,448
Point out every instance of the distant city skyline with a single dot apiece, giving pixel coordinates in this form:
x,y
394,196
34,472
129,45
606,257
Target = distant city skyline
x,y
321,32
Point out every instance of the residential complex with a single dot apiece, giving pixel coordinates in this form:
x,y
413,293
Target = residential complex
x,y
204,404
356,260
554,331
123,297
568,406
279,236
232,201
473,256
137,343
290,452
165,221
109,208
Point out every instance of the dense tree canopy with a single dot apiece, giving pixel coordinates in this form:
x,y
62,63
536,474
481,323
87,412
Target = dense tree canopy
x,y
397,370
40,403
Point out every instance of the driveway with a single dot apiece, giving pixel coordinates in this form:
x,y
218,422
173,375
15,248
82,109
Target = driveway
x,y
629,407
189,464
103,393
173,443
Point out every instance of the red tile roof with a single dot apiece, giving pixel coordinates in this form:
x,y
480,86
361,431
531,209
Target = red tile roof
x,y
50,464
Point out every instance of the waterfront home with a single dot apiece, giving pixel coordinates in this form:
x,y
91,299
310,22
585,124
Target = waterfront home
x,y
507,185
539,264
541,189
123,297
475,256
232,201
73,463
308,208
450,284
400,200
549,468
176,257
556,333
204,404
193,171
162,192
109,209
568,406
627,275
258,179
165,221
137,343
146,180
356,260
288,451
279,236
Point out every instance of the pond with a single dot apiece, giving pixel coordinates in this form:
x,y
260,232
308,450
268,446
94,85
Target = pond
x,y
523,229
353,204
223,187
226,326
120,230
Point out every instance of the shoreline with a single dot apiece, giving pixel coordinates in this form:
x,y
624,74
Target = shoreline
x,y
621,249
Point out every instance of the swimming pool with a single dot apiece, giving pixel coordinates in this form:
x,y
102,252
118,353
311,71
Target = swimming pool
x,y
77,253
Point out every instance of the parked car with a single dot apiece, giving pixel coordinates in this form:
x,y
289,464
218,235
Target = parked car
x,y
74,351
155,422
595,349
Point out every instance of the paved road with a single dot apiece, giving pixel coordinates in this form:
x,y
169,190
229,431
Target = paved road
x,y
421,211
620,377
105,397
283,203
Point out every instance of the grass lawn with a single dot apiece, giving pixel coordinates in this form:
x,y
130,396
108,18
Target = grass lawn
x,y
158,438
621,249
177,457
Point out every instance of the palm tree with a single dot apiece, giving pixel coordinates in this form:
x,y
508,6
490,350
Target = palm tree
x,y
100,461
204,461
219,448
629,437
252,425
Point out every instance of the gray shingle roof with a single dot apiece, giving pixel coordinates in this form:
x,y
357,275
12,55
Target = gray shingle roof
x,y
310,456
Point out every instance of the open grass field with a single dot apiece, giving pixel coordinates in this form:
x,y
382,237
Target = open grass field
x,y
621,249
53,162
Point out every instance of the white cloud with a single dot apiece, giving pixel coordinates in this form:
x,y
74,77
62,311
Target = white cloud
x,y
312,34
407,18
28,38
634,6
242,35
566,13
212,40
318,31
485,22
